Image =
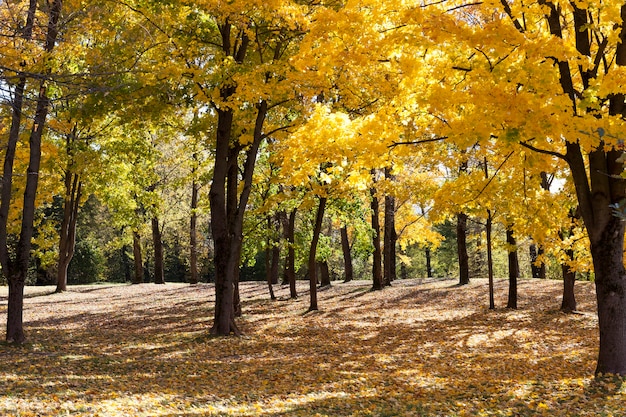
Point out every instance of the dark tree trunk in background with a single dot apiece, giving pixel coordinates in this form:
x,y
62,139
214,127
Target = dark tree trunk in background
x,y
538,271
268,259
138,276
568,304
377,273
193,230
324,274
67,234
513,268
429,269
461,244
290,268
347,255
317,230
389,236
157,242
488,227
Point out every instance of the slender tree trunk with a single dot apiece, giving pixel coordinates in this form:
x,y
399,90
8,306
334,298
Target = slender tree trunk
x,y
377,273
290,268
317,230
347,255
513,268
193,232
389,238
492,303
157,241
67,234
268,259
538,271
429,269
138,276
461,244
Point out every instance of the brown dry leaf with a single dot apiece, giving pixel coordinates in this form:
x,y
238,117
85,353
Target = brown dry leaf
x,y
416,349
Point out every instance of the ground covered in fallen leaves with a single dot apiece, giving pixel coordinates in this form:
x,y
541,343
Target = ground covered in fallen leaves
x,y
419,348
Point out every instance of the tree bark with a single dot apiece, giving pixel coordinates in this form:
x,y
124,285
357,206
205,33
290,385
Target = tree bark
x,y
461,244
317,230
290,272
16,271
513,268
429,269
538,271
268,259
193,231
138,276
568,304
377,273
347,255
488,227
67,234
324,274
157,241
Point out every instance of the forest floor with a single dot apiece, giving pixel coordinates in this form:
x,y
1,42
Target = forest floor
x,y
418,348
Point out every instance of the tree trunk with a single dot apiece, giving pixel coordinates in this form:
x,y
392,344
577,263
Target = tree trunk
x,y
138,277
377,273
347,255
429,269
568,305
324,274
389,232
513,268
538,271
16,271
317,230
67,234
193,232
159,270
290,272
268,260
461,244
492,303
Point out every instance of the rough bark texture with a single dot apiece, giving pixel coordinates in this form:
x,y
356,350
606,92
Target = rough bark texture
x,y
324,273
461,244
347,255
513,269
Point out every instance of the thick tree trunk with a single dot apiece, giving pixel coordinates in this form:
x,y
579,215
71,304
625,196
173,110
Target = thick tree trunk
x,y
138,275
347,255
67,234
608,262
324,274
377,273
317,230
157,241
568,304
193,233
461,244
513,268
488,227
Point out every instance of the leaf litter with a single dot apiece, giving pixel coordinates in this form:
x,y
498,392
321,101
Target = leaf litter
x,y
417,348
